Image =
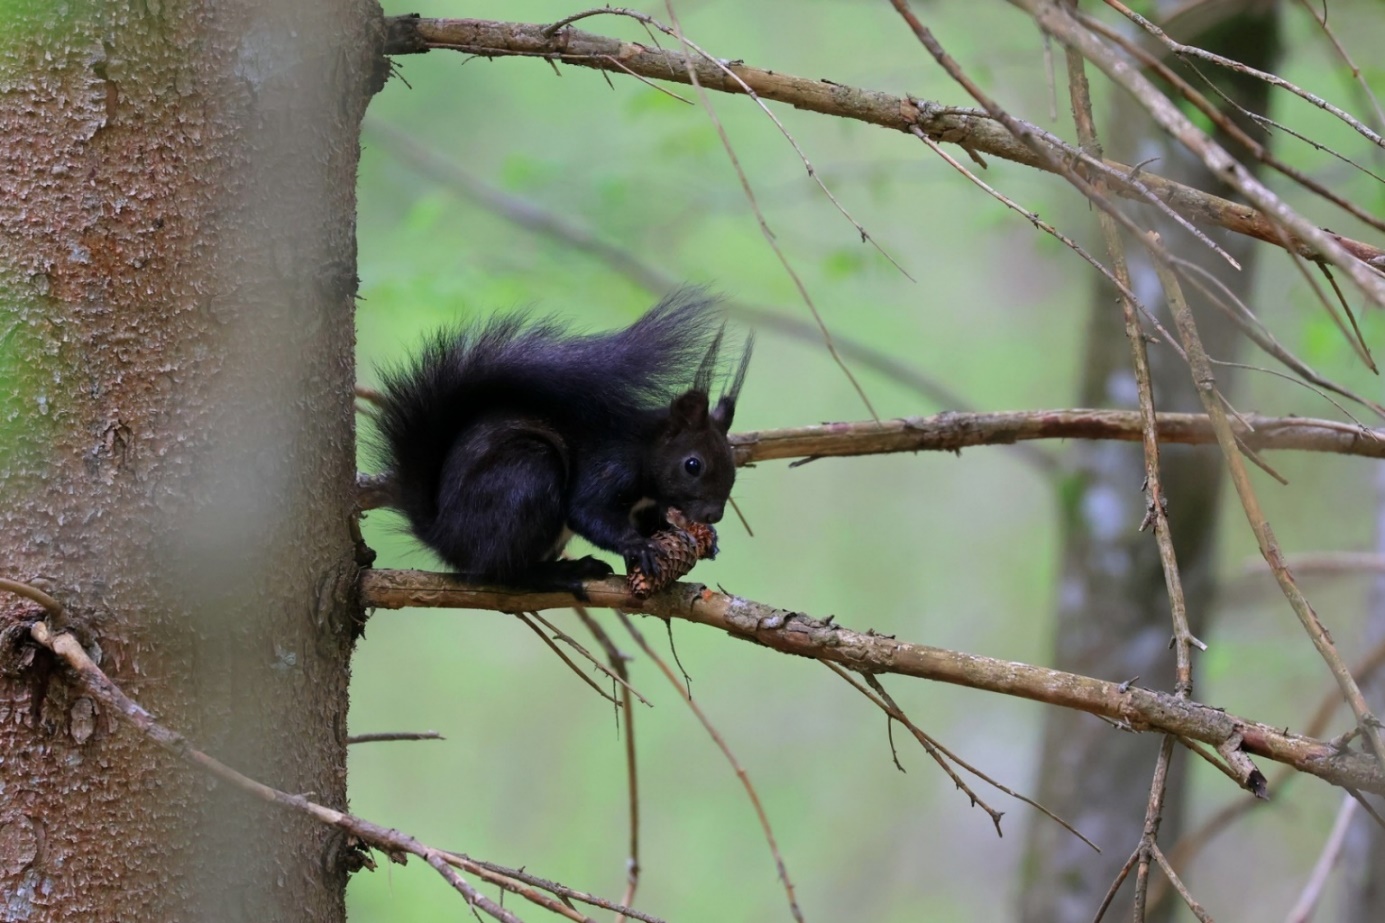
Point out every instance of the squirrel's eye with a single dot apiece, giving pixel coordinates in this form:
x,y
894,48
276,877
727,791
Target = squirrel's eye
x,y
693,465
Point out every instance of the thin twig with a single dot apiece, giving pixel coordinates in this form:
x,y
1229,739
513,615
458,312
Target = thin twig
x,y
1312,891
1192,51
536,219
1264,535
1178,885
1024,133
1241,315
881,699
1225,124
1361,427
524,617
1039,223
393,735
1356,74
615,676
762,221
1154,816
98,685
895,713
619,660
975,131
1134,707
1060,22
675,31
741,774
562,890
1115,887
1266,124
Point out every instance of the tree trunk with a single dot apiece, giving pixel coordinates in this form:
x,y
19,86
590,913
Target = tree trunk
x,y
1113,616
177,202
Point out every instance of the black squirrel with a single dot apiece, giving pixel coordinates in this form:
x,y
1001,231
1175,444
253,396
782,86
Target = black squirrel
x,y
504,438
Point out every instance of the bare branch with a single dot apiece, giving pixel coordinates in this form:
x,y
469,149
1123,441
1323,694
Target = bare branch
x,y
618,660
1312,891
562,890
881,699
539,220
763,222
1129,706
952,432
616,676
393,843
1157,510
1361,84
1264,535
1111,892
553,646
393,735
1187,848
725,749
1178,886
969,128
1060,22
1192,51
1154,816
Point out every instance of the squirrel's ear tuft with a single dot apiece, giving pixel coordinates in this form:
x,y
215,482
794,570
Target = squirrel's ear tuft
x,y
724,412
688,411
702,381
726,407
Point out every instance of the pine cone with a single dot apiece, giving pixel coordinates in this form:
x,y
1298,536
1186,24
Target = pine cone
x,y
676,550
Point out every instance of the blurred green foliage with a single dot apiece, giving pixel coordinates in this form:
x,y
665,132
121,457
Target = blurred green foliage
x,y
953,551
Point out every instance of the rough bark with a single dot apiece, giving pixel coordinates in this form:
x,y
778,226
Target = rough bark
x,y
177,205
1113,610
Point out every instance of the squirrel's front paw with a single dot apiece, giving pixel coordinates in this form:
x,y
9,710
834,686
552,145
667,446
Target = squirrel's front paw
x,y
642,556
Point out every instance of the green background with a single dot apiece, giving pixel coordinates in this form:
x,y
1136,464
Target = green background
x,y
954,551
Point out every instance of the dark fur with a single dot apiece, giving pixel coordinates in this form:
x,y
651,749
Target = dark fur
x,y
500,436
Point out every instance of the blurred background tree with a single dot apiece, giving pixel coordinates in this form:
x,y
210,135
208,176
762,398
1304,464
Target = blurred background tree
x,y
1112,613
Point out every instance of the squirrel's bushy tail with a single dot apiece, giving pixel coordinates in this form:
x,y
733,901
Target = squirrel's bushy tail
x,y
538,369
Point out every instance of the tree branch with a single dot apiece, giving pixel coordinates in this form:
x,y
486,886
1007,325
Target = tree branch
x,y
968,128
952,432
1279,217
795,633
393,843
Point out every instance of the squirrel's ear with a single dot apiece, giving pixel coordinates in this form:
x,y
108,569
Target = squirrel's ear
x,y
723,414
688,411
